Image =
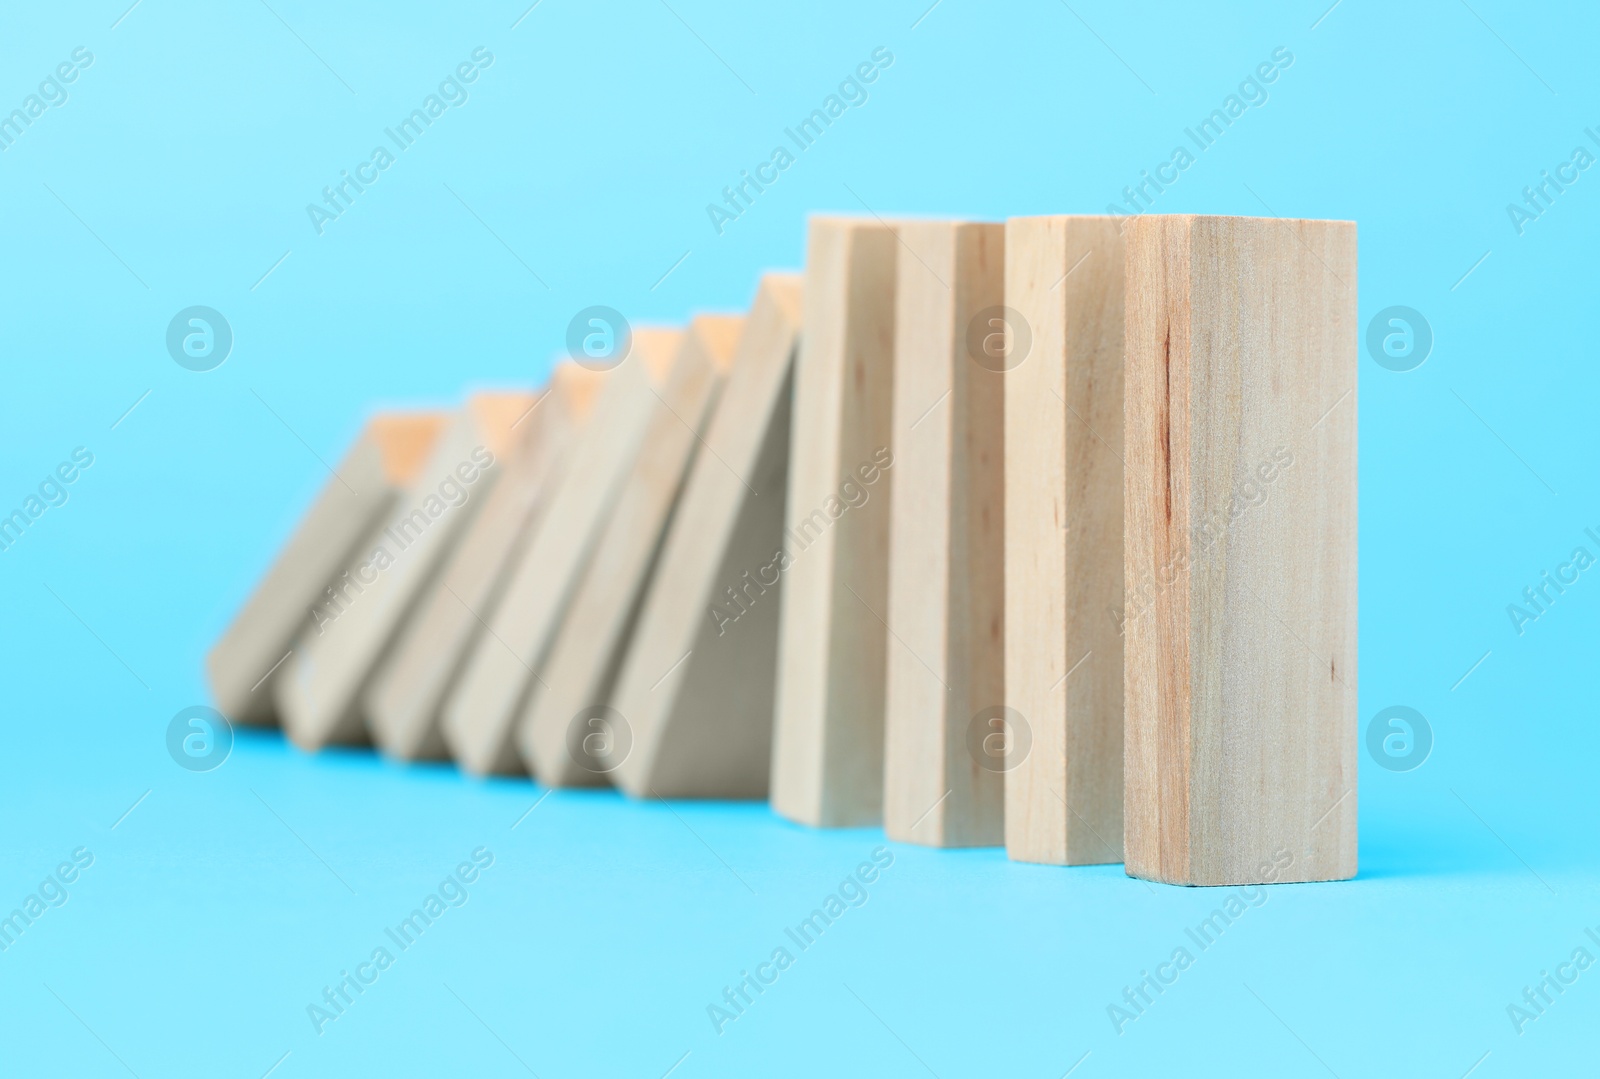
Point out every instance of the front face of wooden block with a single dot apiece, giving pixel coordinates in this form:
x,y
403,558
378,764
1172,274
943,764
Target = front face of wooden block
x,y
946,583
697,685
1240,618
828,727
1064,520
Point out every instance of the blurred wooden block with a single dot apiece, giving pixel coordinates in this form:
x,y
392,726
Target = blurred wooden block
x,y
481,712
827,753
404,701
571,700
697,685
319,693
1240,627
248,657
946,608
1064,280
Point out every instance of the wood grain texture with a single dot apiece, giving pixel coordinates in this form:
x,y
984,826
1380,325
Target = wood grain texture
x,y
698,682
1064,521
404,700
581,669
827,753
377,468
481,712
1240,628
946,607
319,693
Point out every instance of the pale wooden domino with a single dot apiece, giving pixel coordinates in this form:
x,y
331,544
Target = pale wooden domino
x,y
1063,443
827,752
1240,621
943,782
697,684
319,693
249,655
480,714
577,677
404,700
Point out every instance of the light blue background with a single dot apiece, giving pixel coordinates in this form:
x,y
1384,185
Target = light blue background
x,y
180,170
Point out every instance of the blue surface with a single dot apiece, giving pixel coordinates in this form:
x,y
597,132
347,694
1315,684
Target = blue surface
x,y
177,173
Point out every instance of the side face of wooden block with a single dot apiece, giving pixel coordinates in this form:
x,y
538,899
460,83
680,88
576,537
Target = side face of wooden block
x,y
1064,523
698,682
403,703
382,462
319,695
1240,623
946,558
827,757
479,716
594,637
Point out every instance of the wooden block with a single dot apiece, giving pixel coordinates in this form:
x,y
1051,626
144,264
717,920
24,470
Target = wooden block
x,y
404,701
381,464
1064,282
946,608
1240,628
697,685
571,699
480,714
319,694
827,753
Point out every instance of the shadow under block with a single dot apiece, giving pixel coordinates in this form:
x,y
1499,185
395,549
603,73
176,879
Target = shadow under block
x,y
827,751
481,712
565,707
946,608
1240,627
319,694
404,701
698,681
1064,519
383,461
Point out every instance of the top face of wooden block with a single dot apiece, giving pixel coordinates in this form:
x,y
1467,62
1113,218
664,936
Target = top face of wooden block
x,y
576,386
656,347
404,440
1032,219
1218,225
496,415
717,336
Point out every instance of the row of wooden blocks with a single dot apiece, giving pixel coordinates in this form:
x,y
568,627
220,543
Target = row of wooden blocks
x,y
1039,533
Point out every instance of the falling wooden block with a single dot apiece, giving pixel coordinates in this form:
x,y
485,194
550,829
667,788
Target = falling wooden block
x,y
404,701
1063,668
946,608
481,712
827,753
249,655
1240,621
569,735
319,694
697,684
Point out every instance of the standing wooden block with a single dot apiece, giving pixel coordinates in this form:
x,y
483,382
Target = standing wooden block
x,y
827,752
946,661
572,698
249,655
1064,280
698,682
1241,550
405,698
481,712
319,694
